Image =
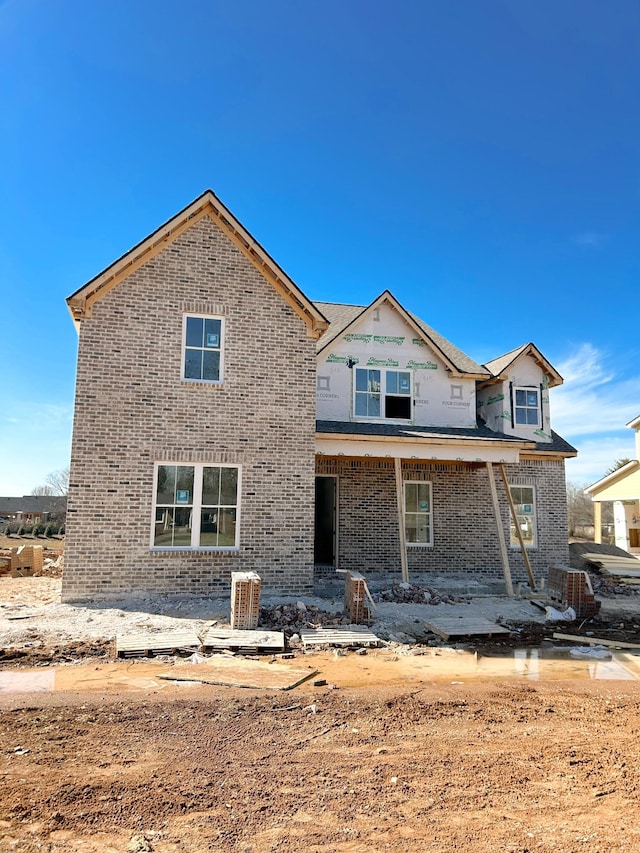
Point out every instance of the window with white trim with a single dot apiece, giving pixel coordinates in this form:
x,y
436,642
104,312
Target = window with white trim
x,y
526,406
202,349
524,501
196,506
417,513
382,393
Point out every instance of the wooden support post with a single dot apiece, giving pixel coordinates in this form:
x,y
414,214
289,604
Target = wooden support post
x,y
501,540
525,556
401,529
597,522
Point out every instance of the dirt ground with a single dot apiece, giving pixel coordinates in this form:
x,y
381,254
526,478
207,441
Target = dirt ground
x,y
482,767
513,766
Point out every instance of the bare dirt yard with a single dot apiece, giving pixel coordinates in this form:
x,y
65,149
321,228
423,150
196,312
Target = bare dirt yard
x,y
433,764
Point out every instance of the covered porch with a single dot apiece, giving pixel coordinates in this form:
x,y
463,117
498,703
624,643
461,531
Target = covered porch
x,y
414,500
622,489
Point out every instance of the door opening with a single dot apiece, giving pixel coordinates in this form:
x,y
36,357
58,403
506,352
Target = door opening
x,y
326,521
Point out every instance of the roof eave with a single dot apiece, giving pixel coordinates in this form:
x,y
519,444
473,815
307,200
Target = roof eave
x,y
611,478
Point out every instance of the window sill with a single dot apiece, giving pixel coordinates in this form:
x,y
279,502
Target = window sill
x,y
419,544
232,549
209,383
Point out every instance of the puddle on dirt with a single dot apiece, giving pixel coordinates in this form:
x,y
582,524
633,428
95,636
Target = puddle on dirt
x,y
377,667
451,665
122,676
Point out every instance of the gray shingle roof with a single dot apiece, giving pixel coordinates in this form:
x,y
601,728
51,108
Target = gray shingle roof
x,y
33,503
479,433
339,316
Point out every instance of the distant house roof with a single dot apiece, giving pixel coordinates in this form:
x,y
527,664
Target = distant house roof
x,y
33,503
342,315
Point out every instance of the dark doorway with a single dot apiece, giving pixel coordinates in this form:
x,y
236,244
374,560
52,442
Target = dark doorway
x,y
324,546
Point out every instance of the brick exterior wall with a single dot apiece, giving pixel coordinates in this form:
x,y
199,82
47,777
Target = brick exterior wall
x,y
464,536
132,410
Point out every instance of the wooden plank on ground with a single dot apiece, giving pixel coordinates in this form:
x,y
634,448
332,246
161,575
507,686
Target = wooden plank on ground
x,y
139,645
609,558
228,638
620,572
239,672
352,636
471,626
596,641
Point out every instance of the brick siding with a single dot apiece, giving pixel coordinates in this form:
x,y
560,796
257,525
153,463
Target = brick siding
x,y
464,532
132,410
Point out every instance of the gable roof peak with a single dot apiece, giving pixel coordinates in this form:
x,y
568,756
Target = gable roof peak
x,y
498,367
342,316
207,204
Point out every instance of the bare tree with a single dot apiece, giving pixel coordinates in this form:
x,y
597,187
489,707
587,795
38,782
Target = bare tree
x,y
579,509
55,483
619,463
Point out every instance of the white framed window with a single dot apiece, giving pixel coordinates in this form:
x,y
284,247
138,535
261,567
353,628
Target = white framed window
x,y
382,393
526,406
202,348
417,513
196,506
524,501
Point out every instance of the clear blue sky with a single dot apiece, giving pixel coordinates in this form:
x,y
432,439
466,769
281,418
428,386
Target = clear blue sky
x,y
479,158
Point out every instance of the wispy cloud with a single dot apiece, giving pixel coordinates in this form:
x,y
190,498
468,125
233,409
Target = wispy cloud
x,y
594,398
591,409
590,238
597,455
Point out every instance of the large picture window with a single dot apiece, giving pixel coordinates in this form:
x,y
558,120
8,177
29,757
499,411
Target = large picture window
x,y
202,349
196,506
524,501
526,406
417,513
382,393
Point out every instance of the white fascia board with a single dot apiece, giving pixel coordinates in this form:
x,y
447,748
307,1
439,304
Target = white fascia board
x,y
403,450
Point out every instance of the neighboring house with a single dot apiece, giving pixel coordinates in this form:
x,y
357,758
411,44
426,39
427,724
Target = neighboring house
x,y
622,488
31,509
224,422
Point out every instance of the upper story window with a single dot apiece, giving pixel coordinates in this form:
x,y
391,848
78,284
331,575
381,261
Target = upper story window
x,y
196,506
526,406
382,393
203,349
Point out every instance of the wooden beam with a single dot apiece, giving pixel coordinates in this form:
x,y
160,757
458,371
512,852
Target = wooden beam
x,y
500,531
401,529
596,641
525,556
597,522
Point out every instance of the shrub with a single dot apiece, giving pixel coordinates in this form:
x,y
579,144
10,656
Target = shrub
x,y
48,531
36,530
21,530
61,530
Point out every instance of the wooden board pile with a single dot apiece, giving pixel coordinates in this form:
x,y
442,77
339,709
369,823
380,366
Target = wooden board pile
x,y
624,570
